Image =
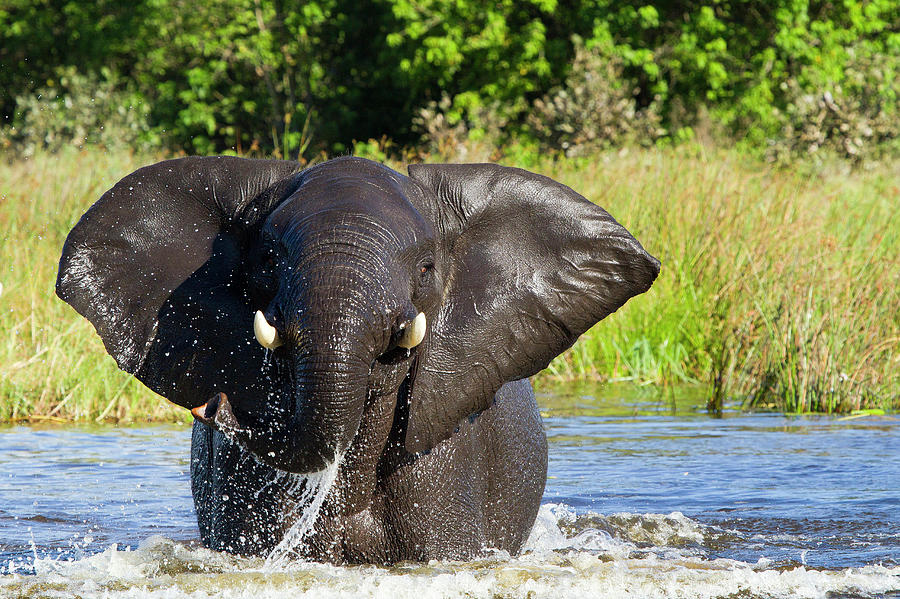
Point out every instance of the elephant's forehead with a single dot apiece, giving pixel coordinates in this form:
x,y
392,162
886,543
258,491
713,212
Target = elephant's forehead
x,y
351,178
352,203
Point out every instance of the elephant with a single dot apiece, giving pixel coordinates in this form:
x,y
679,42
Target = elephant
x,y
348,319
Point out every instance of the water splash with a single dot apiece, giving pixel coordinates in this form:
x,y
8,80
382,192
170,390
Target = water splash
x,y
309,491
616,536
567,557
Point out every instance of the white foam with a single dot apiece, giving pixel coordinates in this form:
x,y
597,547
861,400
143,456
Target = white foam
x,y
616,535
562,559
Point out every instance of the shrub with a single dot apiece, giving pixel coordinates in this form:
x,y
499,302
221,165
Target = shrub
x,y
298,77
444,132
858,120
595,109
78,110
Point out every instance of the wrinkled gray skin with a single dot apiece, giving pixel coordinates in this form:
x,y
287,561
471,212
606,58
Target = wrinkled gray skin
x,y
442,453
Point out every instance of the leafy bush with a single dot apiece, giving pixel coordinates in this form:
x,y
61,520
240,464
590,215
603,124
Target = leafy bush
x,y
78,110
596,109
445,133
857,120
298,77
439,135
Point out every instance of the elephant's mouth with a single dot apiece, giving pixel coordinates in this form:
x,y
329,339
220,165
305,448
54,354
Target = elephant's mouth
x,y
397,355
217,414
277,434
323,393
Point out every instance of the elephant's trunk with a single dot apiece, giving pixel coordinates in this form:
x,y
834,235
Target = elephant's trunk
x,y
315,408
301,429
328,400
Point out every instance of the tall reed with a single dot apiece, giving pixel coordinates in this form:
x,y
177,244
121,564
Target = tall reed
x,y
52,364
778,289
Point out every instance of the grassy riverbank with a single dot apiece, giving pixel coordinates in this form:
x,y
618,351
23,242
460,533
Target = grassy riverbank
x,y
52,364
778,288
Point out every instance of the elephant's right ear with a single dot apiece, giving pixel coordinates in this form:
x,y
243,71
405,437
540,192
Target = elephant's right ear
x,y
151,266
528,266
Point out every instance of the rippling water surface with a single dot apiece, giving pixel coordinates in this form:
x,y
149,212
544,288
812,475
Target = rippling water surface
x,y
644,499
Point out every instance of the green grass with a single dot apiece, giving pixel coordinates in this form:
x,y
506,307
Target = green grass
x,y
52,364
779,289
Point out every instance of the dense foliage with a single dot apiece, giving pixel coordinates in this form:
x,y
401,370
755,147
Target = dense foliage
x,y
793,76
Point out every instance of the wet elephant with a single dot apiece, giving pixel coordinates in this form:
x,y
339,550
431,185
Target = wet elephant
x,y
351,320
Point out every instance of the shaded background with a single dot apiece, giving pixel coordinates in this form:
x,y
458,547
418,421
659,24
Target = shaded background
x,y
784,77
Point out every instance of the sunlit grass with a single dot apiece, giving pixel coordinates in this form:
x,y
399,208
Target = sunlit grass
x,y
52,364
778,289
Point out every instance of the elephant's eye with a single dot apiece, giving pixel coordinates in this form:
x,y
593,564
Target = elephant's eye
x,y
425,282
262,278
425,285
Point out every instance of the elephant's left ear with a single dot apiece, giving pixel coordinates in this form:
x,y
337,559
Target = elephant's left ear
x,y
154,266
529,266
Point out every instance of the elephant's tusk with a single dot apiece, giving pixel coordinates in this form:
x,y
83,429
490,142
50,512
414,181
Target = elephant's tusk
x,y
265,333
414,332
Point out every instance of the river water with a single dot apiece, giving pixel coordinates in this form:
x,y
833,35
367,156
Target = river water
x,y
645,498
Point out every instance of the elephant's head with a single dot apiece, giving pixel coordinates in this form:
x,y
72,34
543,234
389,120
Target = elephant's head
x,y
293,297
